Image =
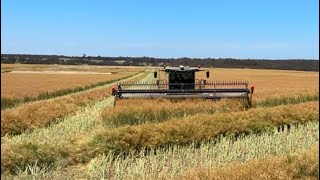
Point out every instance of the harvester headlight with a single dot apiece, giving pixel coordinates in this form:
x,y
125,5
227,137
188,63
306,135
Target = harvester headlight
x,y
113,90
252,88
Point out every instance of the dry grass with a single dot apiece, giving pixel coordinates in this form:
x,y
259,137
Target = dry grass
x,y
300,165
40,113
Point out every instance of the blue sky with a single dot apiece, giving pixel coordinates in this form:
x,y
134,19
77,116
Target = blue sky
x,y
270,29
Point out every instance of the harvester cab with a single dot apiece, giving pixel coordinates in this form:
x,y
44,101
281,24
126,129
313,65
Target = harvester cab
x,y
181,77
181,83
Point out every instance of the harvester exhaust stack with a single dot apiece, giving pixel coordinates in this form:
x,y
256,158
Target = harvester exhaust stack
x,y
181,83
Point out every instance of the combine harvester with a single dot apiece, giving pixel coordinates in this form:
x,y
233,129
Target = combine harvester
x,y
181,84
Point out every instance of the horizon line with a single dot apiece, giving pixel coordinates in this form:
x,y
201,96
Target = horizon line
x,y
164,57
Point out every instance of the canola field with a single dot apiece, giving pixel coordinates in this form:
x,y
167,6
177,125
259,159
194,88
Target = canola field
x,y
81,135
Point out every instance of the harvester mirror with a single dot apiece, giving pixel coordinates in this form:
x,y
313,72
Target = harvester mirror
x,y
155,74
208,74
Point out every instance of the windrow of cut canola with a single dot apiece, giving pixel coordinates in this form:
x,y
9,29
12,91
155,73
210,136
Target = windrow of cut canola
x,y
202,126
127,138
300,165
127,112
176,160
166,163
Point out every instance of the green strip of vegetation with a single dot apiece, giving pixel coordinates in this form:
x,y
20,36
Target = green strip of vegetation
x,y
13,102
270,102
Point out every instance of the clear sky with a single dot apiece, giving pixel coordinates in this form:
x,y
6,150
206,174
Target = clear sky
x,y
270,29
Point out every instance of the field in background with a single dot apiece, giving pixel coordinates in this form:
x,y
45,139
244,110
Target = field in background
x,y
31,80
56,67
152,139
272,82
268,83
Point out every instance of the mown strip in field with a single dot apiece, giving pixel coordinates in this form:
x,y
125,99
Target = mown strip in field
x,y
135,138
300,165
37,114
13,102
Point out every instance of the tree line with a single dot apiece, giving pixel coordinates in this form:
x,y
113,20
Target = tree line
x,y
283,64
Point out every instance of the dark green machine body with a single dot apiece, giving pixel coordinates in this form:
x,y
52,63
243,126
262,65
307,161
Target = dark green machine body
x,y
181,79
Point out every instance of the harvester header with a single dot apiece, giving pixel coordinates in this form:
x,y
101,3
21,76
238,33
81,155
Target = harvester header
x,y
181,83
